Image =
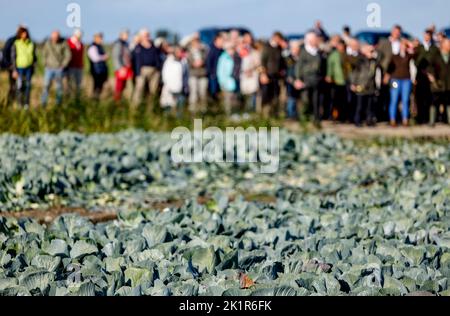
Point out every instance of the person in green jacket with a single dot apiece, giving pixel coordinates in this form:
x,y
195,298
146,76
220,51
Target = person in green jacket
x,y
337,76
57,56
23,57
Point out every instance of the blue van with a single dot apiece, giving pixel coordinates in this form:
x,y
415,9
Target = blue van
x,y
447,32
207,35
374,37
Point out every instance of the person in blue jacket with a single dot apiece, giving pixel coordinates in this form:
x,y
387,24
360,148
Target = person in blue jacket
x,y
226,77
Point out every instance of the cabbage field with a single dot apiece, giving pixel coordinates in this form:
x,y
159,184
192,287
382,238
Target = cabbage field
x,y
340,217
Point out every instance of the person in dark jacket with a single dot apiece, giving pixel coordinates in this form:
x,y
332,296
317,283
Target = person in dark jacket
x,y
423,55
212,60
8,65
363,84
309,74
439,76
272,70
148,65
99,69
292,93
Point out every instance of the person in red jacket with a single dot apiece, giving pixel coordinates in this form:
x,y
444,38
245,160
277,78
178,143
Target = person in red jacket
x,y
76,65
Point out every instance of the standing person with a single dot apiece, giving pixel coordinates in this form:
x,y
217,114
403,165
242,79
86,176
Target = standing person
x,y
386,49
148,62
99,69
309,74
399,74
56,54
363,84
76,64
172,78
212,60
439,76
292,92
226,78
7,64
320,31
198,76
346,34
23,58
272,68
123,71
424,98
337,76
249,77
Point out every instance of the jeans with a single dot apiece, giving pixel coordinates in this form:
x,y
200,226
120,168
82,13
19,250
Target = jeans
x,y
75,78
400,88
50,76
291,109
24,85
213,86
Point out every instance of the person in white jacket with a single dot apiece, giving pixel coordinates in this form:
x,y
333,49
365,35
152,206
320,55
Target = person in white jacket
x,y
172,78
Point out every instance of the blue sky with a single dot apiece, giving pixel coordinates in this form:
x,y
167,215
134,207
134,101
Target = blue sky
x,y
187,16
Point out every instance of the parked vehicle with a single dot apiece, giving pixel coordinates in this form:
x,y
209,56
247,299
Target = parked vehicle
x,y
207,34
374,37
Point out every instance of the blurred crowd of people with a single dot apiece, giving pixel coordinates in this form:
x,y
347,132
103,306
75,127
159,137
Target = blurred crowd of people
x,y
324,77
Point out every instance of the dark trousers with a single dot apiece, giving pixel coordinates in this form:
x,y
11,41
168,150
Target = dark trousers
x,y
440,98
312,95
99,82
364,103
270,92
339,102
424,99
213,87
12,87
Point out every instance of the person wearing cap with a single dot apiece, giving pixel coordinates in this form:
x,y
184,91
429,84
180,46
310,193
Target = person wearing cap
x,y
99,68
272,70
148,64
57,55
121,56
23,58
76,65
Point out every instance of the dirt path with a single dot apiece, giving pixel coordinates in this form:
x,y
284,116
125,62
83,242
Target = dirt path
x,y
440,131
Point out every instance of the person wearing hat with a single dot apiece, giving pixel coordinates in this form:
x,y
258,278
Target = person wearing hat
x,y
99,69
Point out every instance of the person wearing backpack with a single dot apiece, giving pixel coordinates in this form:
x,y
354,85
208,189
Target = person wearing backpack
x,y
57,57
23,59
